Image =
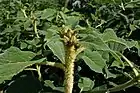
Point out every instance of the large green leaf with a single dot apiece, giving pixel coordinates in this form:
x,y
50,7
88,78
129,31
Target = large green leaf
x,y
7,71
48,14
109,34
57,48
97,43
105,42
14,54
10,69
115,43
13,61
72,21
94,60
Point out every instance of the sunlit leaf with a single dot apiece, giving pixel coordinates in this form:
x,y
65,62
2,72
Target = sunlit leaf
x,y
48,14
13,61
85,84
57,48
14,54
72,21
94,60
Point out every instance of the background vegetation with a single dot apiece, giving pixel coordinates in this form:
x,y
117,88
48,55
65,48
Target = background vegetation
x,y
108,29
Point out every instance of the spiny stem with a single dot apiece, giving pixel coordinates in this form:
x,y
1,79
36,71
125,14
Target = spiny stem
x,y
69,68
72,49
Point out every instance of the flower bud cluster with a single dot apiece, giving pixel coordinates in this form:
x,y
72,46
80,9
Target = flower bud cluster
x,y
69,37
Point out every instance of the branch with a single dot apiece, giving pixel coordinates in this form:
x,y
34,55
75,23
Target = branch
x,y
53,64
130,64
34,23
23,10
66,4
128,84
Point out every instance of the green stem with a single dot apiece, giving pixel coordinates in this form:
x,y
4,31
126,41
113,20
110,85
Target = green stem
x,y
34,22
38,71
125,85
23,10
66,4
69,68
128,84
53,64
130,64
35,28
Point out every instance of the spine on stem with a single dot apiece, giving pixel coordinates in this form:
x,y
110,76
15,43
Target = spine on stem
x,y
69,69
72,49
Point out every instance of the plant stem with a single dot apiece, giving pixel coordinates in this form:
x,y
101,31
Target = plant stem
x,y
69,68
128,84
23,10
35,28
125,85
130,64
66,4
34,22
53,64
38,71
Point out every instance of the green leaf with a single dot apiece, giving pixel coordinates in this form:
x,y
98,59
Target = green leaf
x,y
48,14
57,48
115,43
132,27
85,84
13,61
20,14
116,64
99,89
7,71
109,74
105,55
23,45
34,42
107,1
50,84
72,21
10,29
14,54
109,34
117,57
27,24
95,42
105,42
94,60
52,31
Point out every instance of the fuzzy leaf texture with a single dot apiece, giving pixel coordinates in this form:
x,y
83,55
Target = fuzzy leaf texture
x,y
94,60
57,48
13,61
